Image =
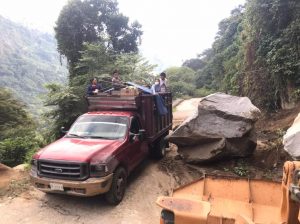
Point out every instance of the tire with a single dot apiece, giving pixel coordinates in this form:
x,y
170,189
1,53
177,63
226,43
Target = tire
x,y
118,186
159,149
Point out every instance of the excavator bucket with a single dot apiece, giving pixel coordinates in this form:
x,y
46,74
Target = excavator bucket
x,y
229,200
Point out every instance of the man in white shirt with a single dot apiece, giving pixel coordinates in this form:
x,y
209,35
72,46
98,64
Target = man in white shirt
x,y
163,83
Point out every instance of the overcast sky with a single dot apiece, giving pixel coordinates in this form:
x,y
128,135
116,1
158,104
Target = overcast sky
x,y
174,30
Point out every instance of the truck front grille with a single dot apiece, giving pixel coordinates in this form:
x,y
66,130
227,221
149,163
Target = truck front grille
x,y
63,170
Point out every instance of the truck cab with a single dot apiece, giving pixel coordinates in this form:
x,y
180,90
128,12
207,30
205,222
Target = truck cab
x,y
102,147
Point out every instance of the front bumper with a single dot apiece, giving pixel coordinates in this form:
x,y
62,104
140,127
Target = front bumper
x,y
89,187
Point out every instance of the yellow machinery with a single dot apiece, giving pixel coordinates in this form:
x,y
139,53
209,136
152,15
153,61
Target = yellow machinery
x,y
229,200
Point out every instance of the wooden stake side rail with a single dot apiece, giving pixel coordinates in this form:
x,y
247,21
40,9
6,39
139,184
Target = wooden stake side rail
x,y
100,103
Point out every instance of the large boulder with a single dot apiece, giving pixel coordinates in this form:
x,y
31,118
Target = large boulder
x,y
223,127
291,140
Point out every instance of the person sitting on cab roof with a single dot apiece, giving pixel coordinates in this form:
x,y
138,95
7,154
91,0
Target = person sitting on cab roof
x,y
94,87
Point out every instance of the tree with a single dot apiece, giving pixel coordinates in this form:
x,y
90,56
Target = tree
x,y
222,61
272,52
14,119
181,81
194,63
97,60
94,21
65,105
256,53
18,136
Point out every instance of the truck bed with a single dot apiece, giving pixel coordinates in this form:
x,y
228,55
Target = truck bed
x,y
143,104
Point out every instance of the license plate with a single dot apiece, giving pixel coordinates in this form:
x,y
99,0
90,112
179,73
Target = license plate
x,y
56,187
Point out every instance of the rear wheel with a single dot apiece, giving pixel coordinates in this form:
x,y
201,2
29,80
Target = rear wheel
x,y
117,190
167,217
159,149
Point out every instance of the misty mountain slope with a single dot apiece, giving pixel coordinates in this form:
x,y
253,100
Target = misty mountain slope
x,y
28,60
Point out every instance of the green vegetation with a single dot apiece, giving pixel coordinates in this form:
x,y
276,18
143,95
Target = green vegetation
x,y
256,53
181,81
18,138
28,60
94,21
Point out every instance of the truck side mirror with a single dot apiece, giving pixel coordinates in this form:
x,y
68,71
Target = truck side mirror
x,y
131,137
142,134
63,130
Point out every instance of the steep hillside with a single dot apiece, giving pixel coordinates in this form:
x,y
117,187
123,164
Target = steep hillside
x,y
28,60
256,53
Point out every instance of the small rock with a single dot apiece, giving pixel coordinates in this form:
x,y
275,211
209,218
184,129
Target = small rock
x,y
21,167
178,157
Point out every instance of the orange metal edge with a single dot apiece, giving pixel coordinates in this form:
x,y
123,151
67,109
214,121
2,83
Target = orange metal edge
x,y
187,211
177,204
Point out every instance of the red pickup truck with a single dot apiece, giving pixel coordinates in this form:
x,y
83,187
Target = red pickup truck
x,y
103,146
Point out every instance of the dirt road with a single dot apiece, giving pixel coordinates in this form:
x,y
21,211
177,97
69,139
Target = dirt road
x,y
185,109
138,205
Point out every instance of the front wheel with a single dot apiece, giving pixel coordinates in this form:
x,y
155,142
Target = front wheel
x,y
117,190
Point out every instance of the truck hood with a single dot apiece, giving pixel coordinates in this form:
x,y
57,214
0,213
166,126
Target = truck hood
x,y
81,150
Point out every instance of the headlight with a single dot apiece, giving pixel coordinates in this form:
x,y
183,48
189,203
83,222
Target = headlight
x,y
33,162
33,166
98,170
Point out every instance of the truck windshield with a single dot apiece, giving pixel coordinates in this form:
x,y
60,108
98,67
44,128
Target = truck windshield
x,y
99,126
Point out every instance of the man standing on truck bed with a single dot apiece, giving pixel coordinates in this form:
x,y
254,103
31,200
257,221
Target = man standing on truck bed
x,y
156,87
116,80
163,82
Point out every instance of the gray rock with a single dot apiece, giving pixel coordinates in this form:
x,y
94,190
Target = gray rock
x,y
291,140
222,128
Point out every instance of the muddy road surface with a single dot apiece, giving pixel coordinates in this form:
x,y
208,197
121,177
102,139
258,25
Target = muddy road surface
x,y
185,109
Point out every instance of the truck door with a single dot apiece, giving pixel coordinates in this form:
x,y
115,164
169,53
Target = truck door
x,y
138,149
